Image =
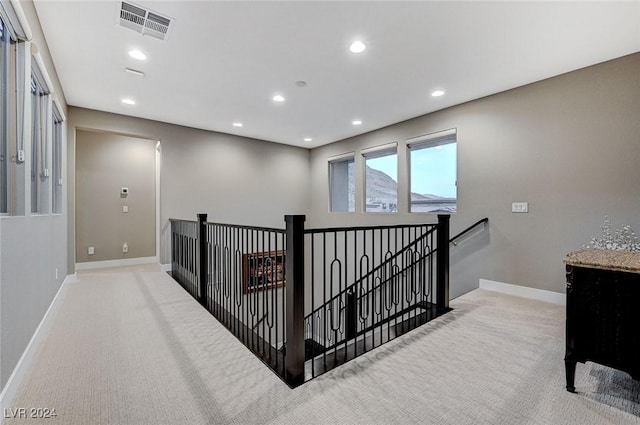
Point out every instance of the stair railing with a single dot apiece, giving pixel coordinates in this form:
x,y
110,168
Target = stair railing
x,y
258,282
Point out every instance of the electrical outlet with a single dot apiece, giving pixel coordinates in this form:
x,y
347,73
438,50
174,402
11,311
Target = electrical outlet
x,y
520,207
125,247
125,209
91,250
21,155
46,172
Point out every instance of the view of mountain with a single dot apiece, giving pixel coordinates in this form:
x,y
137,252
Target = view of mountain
x,y
382,195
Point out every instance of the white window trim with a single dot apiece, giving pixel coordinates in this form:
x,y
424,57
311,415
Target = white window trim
x,y
427,141
40,71
339,158
58,108
13,15
57,181
377,152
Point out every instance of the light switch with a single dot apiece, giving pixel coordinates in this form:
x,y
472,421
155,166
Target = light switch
x,y
520,207
90,250
125,209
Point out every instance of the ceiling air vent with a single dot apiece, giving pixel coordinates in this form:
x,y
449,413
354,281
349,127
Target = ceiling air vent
x,y
144,21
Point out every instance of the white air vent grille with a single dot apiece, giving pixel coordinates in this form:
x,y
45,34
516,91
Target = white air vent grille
x,y
144,21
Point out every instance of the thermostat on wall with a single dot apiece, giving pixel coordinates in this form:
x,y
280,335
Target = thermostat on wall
x,y
124,190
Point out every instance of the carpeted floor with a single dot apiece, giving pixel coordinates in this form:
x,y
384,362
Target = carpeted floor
x,y
131,347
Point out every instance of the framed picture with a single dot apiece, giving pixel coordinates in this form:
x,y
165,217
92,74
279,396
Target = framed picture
x,y
262,270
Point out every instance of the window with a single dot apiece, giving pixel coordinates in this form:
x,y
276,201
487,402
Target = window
x,y
40,117
381,180
13,63
5,57
432,160
342,186
56,180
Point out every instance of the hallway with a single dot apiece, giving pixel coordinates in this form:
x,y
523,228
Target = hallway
x,y
130,346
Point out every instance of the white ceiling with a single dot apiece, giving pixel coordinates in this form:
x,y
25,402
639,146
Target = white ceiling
x,y
224,61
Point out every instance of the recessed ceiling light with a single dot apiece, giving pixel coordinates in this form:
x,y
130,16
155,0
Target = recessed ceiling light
x,y
128,101
308,139
278,98
237,124
357,46
137,54
356,122
437,93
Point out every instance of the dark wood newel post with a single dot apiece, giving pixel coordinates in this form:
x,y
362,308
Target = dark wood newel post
x,y
442,263
201,258
294,281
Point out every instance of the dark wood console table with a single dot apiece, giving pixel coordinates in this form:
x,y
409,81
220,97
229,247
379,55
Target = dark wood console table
x,y
603,311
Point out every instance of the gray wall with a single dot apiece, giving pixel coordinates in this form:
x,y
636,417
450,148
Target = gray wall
x,y
569,146
233,179
34,249
106,162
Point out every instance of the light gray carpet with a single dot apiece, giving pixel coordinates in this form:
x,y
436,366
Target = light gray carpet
x,y
132,347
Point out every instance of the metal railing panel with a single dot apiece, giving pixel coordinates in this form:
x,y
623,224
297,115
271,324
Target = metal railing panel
x,y
307,300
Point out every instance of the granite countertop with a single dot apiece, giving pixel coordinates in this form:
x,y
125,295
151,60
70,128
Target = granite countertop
x,y
624,261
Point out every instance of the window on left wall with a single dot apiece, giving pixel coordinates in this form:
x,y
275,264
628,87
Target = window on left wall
x,y
5,54
56,172
40,136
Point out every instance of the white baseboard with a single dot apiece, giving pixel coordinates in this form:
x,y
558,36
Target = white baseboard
x,y
524,292
116,263
13,383
165,267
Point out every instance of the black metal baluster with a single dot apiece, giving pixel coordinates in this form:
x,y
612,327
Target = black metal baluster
x,y
313,291
215,284
243,282
210,268
269,294
263,292
283,294
274,294
356,292
324,296
237,282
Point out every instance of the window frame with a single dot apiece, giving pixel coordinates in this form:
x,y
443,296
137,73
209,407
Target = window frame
x,y
16,125
374,153
427,141
41,135
6,41
348,158
57,136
